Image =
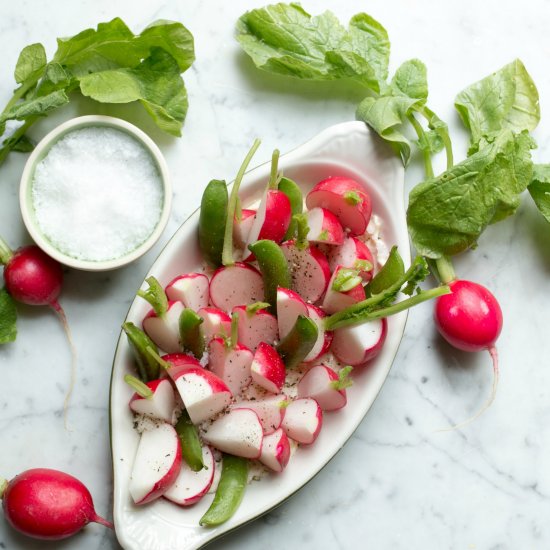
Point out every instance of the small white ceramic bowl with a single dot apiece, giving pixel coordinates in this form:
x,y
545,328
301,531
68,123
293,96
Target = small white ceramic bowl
x,y
42,149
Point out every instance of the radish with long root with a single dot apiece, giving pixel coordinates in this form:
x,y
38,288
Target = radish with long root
x,y
470,319
35,279
48,504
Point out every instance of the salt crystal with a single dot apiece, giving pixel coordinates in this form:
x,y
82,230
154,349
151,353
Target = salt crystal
x,y
97,195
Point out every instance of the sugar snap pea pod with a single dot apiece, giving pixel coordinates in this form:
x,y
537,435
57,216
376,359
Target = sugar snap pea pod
x,y
295,346
294,194
147,367
212,220
391,272
229,493
191,337
191,448
274,268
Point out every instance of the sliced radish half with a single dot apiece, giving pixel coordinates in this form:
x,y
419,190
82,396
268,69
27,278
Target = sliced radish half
x,y
268,369
270,411
162,403
232,365
242,227
349,253
256,327
357,345
324,227
239,432
324,337
164,331
303,420
191,289
156,465
190,486
239,284
317,383
276,451
336,301
289,306
309,270
345,198
215,323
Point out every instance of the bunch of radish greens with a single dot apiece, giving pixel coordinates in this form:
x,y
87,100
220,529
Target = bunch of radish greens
x,y
447,212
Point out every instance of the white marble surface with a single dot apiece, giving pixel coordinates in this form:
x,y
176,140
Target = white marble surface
x,y
398,483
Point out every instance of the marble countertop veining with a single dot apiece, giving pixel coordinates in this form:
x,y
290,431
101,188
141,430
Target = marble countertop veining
x,y
398,483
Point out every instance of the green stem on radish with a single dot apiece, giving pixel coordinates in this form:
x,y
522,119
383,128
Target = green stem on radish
x,y
6,252
227,253
344,381
302,231
273,179
234,330
156,296
3,486
138,386
428,168
162,363
445,269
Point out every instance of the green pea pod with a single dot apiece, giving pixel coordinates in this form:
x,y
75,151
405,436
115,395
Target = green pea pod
x,y
274,268
295,346
392,271
212,219
191,448
294,194
147,367
229,493
191,337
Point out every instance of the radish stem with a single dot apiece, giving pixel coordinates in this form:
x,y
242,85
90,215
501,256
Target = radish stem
x,y
428,168
138,386
445,269
227,253
156,296
3,486
5,252
164,364
234,329
274,170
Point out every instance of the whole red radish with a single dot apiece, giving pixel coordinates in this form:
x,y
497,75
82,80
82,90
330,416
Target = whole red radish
x,y
48,504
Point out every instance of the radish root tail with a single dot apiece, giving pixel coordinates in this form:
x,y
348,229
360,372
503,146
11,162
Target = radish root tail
x,y
100,520
494,356
63,318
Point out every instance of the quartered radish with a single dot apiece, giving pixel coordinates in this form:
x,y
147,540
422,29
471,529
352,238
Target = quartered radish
x,y
180,360
275,451
235,285
289,306
156,465
268,370
190,289
231,364
336,300
345,198
322,384
190,486
239,432
324,227
216,323
242,227
255,327
160,404
203,393
352,253
309,270
303,420
164,331
324,337
356,345
270,411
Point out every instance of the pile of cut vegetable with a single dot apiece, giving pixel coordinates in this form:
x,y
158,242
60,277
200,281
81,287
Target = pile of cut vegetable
x,y
242,358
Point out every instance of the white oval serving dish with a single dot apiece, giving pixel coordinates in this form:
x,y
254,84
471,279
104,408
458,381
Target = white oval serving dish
x,y
348,149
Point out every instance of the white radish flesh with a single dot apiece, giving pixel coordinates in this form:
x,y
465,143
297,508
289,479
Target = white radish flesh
x,y
156,465
215,323
303,420
191,289
357,345
270,411
256,327
324,227
289,306
232,365
160,405
239,284
347,255
268,370
336,301
164,331
317,384
324,337
275,451
242,227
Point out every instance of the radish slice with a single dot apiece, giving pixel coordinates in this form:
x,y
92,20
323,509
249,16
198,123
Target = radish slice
x,y
232,365
317,384
256,327
309,270
347,255
336,301
270,411
190,486
345,198
191,289
242,227
157,463
239,432
324,227
239,284
215,323
303,420
162,403
357,345
276,451
289,307
268,370
324,337
164,331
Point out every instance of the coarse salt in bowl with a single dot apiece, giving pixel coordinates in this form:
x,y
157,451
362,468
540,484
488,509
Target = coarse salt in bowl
x,y
95,193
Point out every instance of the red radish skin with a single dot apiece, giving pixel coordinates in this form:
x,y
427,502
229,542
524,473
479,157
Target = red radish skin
x,y
236,285
316,383
275,451
360,344
215,323
190,289
48,504
268,370
345,198
324,227
347,255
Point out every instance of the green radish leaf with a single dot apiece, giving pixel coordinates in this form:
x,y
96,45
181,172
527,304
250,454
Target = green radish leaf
x,y
31,62
410,80
38,106
447,213
539,188
8,318
22,144
506,99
